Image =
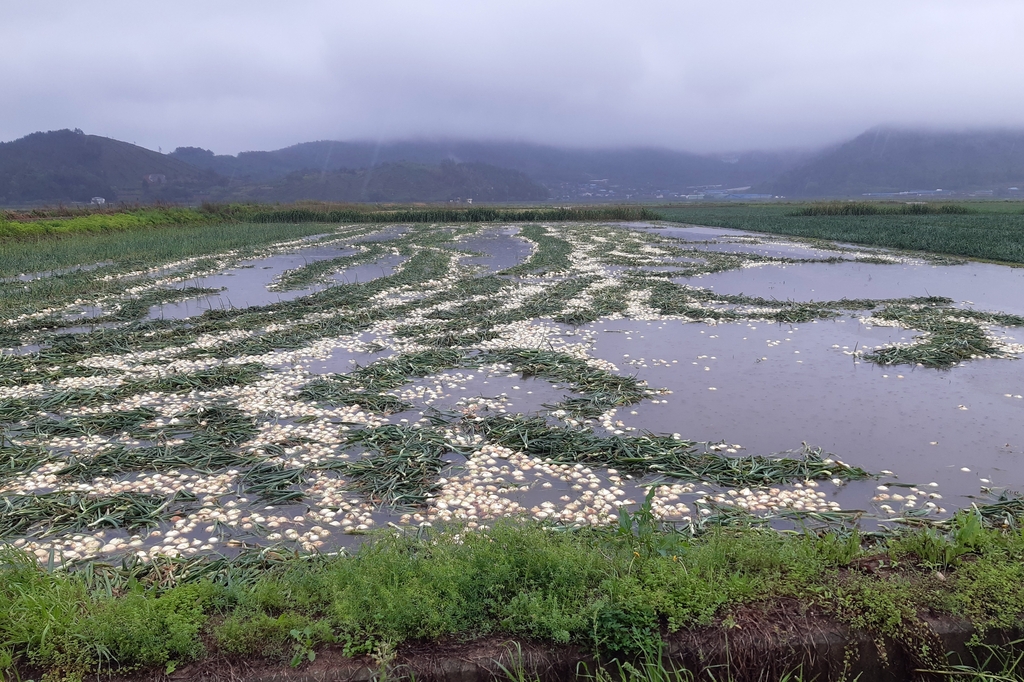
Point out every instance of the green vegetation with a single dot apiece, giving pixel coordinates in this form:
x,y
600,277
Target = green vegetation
x,y
27,227
612,591
865,208
651,454
100,222
992,231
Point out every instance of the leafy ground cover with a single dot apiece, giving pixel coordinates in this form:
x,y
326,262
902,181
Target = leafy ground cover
x,y
616,592
993,231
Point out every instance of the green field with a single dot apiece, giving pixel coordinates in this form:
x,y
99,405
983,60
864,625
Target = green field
x,y
991,231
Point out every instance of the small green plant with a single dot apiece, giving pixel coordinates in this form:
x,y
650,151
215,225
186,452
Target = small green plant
x,y
303,646
938,549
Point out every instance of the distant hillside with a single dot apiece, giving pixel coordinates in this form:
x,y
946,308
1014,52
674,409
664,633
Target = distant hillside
x,y
639,170
893,160
69,166
399,182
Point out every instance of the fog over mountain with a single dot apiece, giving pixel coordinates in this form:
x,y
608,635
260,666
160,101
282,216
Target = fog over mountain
x,y
71,166
701,77
889,160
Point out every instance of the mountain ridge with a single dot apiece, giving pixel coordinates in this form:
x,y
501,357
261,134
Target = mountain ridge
x,y
886,160
70,166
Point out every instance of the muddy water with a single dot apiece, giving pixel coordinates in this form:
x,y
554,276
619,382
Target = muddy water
x,y
501,249
248,284
770,388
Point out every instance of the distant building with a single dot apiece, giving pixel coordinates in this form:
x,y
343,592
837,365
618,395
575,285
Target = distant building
x,y
98,201
155,179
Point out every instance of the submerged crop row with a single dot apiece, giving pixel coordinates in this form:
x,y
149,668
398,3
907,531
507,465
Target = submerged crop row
x,y
128,432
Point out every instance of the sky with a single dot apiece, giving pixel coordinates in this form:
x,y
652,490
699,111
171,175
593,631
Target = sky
x,y
711,76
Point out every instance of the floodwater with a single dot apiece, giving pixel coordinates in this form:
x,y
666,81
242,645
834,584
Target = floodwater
x,y
982,286
501,249
772,387
249,283
760,388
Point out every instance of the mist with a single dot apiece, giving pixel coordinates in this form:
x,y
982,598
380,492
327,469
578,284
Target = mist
x,y
704,77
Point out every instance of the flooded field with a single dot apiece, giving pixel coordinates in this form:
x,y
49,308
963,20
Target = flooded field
x,y
411,375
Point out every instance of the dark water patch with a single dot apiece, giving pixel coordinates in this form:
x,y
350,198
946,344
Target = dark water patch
x,y
982,286
501,249
770,250
248,284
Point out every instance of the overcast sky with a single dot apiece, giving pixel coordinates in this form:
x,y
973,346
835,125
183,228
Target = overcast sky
x,y
709,76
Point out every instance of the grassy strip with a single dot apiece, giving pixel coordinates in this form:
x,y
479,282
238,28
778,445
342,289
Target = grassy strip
x,y
274,483
16,460
993,232
101,222
317,271
371,214
601,389
552,253
950,336
136,218
613,591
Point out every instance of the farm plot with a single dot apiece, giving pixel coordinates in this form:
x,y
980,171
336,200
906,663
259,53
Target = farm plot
x,y
315,389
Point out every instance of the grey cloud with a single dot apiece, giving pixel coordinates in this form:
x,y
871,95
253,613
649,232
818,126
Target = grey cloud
x,y
701,76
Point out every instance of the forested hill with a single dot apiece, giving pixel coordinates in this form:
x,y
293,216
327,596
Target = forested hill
x,y
400,182
70,166
894,160
643,169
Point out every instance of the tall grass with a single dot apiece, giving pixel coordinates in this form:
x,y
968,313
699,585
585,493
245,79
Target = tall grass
x,y
327,213
832,208
100,222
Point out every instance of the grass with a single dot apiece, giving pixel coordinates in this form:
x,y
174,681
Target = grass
x,y
30,227
834,208
98,223
612,591
990,231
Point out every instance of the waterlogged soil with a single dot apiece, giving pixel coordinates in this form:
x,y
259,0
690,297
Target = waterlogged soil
x,y
378,394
